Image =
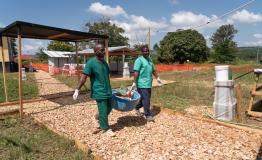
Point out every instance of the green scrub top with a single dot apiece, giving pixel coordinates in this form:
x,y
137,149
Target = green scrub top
x,y
145,68
98,71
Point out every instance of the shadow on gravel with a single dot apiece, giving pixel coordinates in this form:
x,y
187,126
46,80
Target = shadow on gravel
x,y
155,110
63,99
128,121
66,98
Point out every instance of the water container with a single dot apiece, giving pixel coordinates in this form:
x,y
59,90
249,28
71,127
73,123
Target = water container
x,y
126,72
23,74
125,64
222,73
224,101
125,104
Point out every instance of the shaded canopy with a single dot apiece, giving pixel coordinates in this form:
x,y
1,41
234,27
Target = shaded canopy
x,y
37,31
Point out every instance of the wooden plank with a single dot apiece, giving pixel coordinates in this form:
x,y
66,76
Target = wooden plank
x,y
239,110
11,112
57,35
20,72
255,114
3,68
253,93
257,93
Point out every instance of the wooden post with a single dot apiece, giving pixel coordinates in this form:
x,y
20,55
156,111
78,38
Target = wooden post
x,y
77,60
107,51
253,93
240,112
20,71
3,67
149,38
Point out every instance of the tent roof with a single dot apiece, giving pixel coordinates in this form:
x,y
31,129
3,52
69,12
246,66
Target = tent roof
x,y
37,31
114,51
57,54
110,49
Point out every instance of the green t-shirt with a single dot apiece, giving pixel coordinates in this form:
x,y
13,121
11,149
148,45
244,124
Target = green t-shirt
x,y
98,71
145,68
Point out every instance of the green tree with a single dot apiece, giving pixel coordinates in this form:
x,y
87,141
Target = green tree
x,y
13,46
114,32
155,47
60,46
183,45
223,45
41,55
138,46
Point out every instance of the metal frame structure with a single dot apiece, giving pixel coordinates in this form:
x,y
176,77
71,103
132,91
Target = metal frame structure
x,y
20,29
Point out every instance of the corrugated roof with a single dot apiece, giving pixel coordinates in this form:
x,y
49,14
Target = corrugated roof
x,y
57,54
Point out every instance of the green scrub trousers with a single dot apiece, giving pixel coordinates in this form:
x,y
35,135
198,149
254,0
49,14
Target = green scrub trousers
x,y
104,109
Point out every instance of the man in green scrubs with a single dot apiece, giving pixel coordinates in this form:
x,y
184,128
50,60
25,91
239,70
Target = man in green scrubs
x,y
144,69
98,71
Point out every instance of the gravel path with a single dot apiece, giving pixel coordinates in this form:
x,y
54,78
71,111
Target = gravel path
x,y
169,137
49,85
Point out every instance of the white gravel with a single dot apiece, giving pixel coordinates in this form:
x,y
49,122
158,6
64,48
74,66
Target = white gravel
x,y
169,137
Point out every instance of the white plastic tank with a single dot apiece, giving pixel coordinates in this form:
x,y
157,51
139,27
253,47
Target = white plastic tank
x,y
222,73
224,104
23,74
126,72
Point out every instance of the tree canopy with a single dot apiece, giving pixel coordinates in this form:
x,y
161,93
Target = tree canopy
x,y
114,32
41,55
138,46
223,45
60,46
183,45
13,46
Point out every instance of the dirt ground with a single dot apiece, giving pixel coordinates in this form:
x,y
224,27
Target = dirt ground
x,y
169,137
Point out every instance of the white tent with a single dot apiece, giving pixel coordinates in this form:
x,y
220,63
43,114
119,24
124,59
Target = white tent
x,y
57,58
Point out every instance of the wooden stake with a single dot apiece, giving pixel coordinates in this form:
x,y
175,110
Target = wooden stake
x,y
239,110
148,38
20,72
77,61
3,68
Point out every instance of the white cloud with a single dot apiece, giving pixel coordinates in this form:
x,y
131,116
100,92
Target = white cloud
x,y
257,35
187,19
245,16
137,27
257,43
106,10
30,46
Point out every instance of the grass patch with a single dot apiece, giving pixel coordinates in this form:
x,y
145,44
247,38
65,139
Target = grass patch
x,y
30,89
26,139
190,87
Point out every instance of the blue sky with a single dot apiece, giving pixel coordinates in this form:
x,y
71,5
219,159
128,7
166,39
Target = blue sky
x,y
136,16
